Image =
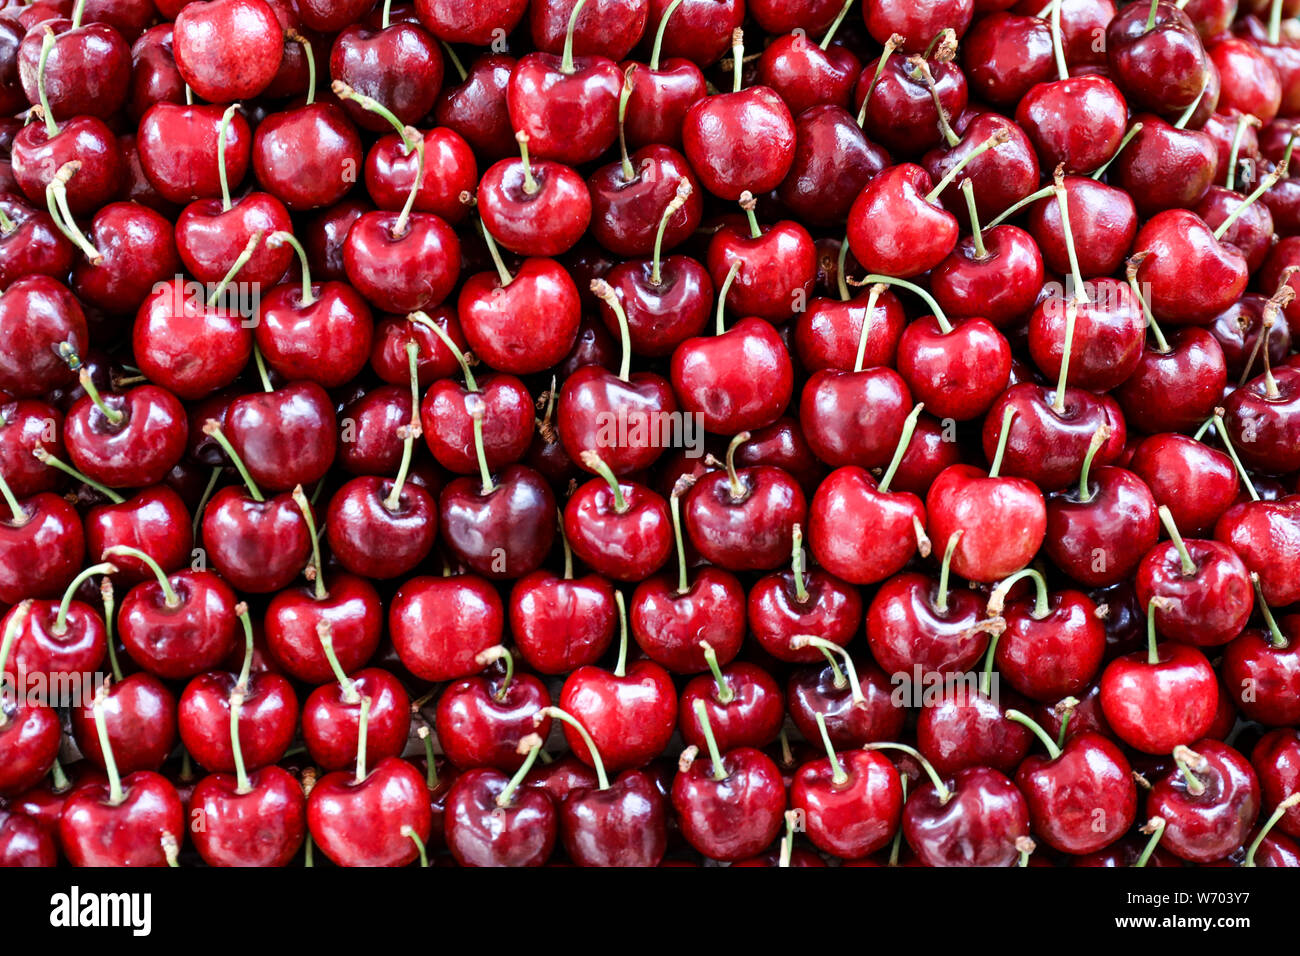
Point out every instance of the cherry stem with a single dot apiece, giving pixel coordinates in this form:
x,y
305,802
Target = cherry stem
x,y
597,464
172,599
565,717
1018,205
733,479
404,217
986,675
995,468
1015,716
7,225
17,619
706,728
1222,428
1071,317
422,318
944,325
1153,652
502,272
60,625
620,666
430,759
1275,22
1042,604
280,238
941,602
1058,50
1128,138
797,563
1278,639
363,735
325,633
922,69
1265,184
222,130
310,56
56,201
18,515
106,595
455,61
944,793
747,204
719,323
605,292
566,61
407,830
1001,136
832,652
896,845
531,746
476,407
674,206
1099,438
240,261
873,296
1157,828
675,508
624,94
407,433
490,656
1185,117
841,261
1151,16
1167,519
724,695
659,34
564,542
904,440
318,571
892,44
115,416
408,136
1281,810
45,458
787,841
47,45
737,59
212,428
115,793
838,777
1065,710
835,25
79,10
58,779
237,751
204,499
1238,134
1188,762
1130,271
977,237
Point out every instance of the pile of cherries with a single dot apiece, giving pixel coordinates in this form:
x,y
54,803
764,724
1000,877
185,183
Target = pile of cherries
x,y
625,432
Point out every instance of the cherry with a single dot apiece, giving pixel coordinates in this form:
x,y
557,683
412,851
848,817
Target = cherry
x,y
628,713
730,805
1203,586
833,160
42,542
973,512
1209,802
177,145
663,90
44,334
1081,797
1133,685
24,842
743,519
178,625
856,700
917,24
58,637
777,266
398,64
741,702
608,27
1260,417
619,528
1166,166
439,625
739,141
375,817
993,275
371,704
132,820
1273,760
87,72
481,720
1156,56
228,49
1195,482
1100,531
521,323
548,93
534,208
266,713
1005,55
493,820
134,250
1250,82
127,440
348,605
1103,222
476,108
807,74
29,731
1074,121
31,243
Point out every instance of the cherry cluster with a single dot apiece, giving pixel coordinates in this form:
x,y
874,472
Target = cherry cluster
x,y
510,432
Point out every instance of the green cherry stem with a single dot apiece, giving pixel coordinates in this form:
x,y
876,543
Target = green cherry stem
x,y
212,428
797,564
1099,438
835,25
240,261
832,651
1024,720
737,59
657,49
904,440
1128,138
60,625
719,321
422,318
893,43
530,745
944,325
1278,813
674,206
170,597
476,408
597,464
620,666
941,600
325,633
1042,604
1156,828
838,777
488,657
683,485
1167,519
567,66
115,793
864,333
939,787
706,728
997,139
605,292
1003,435
363,735
495,252
222,132
107,597
58,464
565,717
282,238
317,575
724,695
1277,640
42,96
